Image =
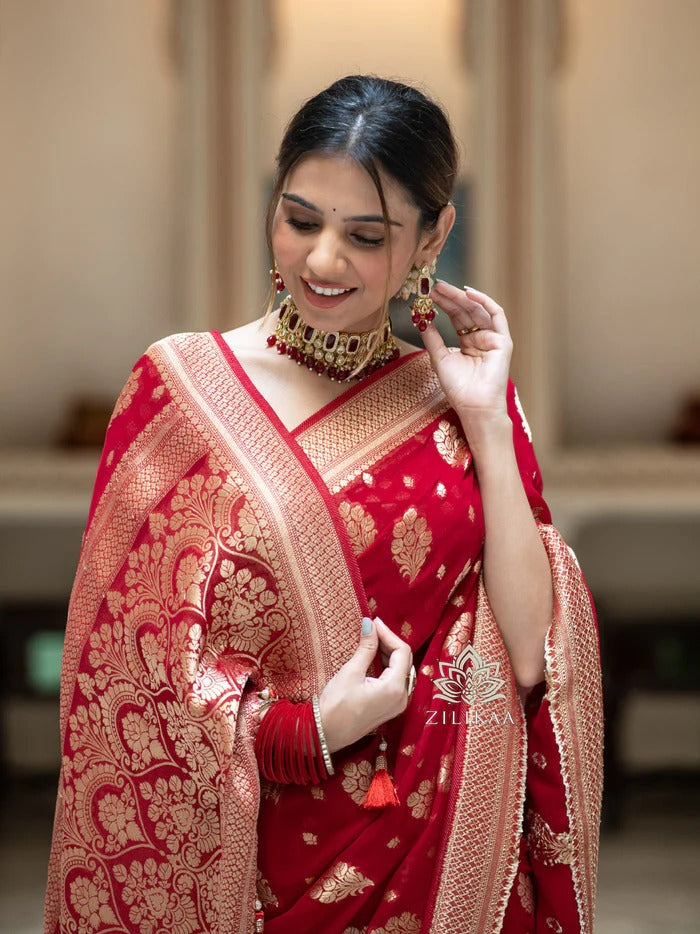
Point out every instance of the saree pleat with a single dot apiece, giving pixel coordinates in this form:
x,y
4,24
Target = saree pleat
x,y
224,554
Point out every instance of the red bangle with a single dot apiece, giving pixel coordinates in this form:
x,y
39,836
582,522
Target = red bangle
x,y
287,744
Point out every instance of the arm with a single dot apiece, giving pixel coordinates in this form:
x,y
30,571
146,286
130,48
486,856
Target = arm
x,y
517,574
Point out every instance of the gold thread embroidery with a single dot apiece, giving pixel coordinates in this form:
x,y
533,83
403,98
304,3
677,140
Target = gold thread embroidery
x,y
265,893
451,446
548,847
406,923
521,413
411,543
445,773
420,801
360,525
310,839
128,392
526,892
539,760
459,635
342,881
358,776
89,897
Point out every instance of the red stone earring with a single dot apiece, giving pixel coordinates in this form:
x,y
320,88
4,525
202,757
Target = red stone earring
x,y
422,309
277,279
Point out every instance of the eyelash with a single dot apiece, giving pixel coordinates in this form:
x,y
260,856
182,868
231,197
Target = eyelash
x,y
307,226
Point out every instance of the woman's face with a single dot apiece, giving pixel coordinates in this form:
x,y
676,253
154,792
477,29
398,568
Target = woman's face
x,y
328,234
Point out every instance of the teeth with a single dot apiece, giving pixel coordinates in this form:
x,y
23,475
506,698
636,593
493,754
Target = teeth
x,y
319,291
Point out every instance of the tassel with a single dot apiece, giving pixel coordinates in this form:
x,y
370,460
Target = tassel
x,y
382,791
259,918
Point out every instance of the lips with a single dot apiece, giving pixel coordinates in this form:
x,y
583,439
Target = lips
x,y
326,289
324,294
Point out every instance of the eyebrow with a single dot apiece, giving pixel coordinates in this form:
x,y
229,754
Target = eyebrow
x,y
361,218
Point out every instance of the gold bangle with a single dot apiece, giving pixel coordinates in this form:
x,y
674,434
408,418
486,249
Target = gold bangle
x,y
321,736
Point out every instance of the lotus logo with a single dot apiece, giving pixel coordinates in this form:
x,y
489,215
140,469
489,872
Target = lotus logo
x,y
469,679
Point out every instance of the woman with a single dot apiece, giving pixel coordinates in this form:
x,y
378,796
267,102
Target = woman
x,y
328,665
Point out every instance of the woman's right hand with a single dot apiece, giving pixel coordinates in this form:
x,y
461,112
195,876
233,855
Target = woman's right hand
x,y
352,704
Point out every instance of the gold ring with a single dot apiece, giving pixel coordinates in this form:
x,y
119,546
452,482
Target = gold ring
x,y
463,331
411,680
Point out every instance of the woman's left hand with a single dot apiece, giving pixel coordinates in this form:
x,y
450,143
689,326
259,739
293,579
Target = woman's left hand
x,y
474,376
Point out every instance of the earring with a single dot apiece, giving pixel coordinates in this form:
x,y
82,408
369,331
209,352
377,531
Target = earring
x,y
422,309
277,280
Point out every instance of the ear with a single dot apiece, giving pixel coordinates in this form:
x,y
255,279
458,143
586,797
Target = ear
x,y
432,242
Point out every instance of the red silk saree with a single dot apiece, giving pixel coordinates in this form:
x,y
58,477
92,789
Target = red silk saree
x,y
224,554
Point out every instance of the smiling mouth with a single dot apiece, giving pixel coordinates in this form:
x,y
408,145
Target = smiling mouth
x,y
325,290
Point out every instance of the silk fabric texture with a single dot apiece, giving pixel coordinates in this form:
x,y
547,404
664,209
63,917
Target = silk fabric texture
x,y
224,554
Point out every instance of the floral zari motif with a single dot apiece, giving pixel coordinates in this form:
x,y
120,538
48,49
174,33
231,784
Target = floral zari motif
x,y
411,543
341,882
156,830
131,738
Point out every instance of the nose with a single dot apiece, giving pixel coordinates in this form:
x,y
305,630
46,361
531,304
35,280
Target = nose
x,y
326,259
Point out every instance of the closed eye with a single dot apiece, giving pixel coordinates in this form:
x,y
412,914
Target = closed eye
x,y
307,226
301,225
368,241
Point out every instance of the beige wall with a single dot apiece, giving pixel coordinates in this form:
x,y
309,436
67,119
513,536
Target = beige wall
x,y
89,103
318,41
628,106
91,175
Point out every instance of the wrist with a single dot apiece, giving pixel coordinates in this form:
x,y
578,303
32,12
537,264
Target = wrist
x,y
322,739
488,432
325,713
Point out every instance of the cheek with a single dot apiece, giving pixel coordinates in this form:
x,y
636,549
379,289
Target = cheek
x,y
285,243
400,268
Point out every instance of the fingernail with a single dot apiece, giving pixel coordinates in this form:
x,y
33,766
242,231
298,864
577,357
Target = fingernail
x,y
366,625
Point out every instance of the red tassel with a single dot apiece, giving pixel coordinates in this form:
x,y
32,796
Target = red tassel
x,y
382,791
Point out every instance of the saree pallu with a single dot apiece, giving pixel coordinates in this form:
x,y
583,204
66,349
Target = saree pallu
x,y
224,554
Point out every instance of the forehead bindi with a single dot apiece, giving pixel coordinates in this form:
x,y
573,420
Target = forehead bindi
x,y
315,184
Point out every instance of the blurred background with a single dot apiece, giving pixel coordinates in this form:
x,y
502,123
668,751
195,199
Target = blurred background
x,y
136,152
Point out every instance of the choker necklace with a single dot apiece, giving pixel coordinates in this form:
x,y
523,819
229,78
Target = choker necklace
x,y
331,353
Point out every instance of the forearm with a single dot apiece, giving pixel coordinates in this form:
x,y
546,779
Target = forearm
x,y
517,575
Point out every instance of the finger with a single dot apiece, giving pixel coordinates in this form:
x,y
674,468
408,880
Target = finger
x,y
465,314
461,317
400,656
435,345
388,638
498,315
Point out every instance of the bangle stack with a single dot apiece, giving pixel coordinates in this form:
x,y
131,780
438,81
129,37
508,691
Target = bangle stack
x,y
290,745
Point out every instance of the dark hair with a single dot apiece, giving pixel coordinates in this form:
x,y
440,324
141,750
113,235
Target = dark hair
x,y
381,124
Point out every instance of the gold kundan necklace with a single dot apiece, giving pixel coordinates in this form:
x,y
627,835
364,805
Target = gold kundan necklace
x,y
335,354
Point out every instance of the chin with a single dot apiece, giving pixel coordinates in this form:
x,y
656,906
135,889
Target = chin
x,y
343,316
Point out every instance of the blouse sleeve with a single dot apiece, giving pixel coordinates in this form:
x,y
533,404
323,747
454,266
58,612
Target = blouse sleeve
x,y
142,399
525,456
